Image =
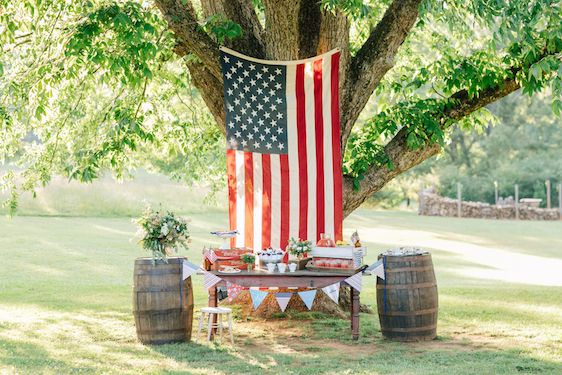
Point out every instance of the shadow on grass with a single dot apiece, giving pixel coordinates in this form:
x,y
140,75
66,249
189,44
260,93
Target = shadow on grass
x,y
209,358
28,358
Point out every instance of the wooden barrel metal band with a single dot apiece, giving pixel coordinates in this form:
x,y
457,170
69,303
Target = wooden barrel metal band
x,y
168,271
411,329
160,331
405,269
409,259
156,289
410,313
159,312
408,286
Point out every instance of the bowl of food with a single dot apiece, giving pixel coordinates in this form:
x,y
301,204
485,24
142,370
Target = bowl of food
x,y
271,255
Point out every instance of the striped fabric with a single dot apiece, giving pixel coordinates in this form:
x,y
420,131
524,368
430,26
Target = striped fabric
x,y
283,149
355,281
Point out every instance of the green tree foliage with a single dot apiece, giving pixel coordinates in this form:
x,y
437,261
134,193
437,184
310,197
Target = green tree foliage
x,y
523,150
93,85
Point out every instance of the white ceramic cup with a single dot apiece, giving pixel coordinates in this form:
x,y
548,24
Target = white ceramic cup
x,y
292,267
282,267
271,267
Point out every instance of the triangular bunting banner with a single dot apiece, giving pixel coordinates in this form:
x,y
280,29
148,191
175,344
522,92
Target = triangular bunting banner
x,y
377,269
333,291
189,269
355,281
233,290
283,299
308,297
209,280
210,255
257,297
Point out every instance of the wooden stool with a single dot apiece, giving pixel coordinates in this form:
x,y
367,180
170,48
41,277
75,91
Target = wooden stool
x,y
218,312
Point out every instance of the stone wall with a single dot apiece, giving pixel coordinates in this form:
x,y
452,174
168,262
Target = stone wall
x,y
431,204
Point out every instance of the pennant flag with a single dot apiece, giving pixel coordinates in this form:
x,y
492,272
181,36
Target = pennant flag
x,y
355,281
308,297
233,290
209,280
257,297
333,291
211,256
189,269
283,299
377,269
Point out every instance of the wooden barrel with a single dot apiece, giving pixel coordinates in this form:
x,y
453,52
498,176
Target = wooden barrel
x,y
162,302
407,298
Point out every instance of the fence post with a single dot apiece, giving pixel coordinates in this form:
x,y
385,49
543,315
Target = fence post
x,y
496,191
560,201
459,200
547,182
516,202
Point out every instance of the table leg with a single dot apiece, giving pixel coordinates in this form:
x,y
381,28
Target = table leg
x,y
355,304
213,302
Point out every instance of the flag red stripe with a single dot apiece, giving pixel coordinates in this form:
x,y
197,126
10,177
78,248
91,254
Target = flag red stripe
x,y
249,199
231,172
266,201
319,129
285,194
303,173
336,149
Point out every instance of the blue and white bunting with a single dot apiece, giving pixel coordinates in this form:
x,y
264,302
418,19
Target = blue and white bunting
x,y
333,291
307,297
355,281
189,269
257,297
376,269
283,300
209,280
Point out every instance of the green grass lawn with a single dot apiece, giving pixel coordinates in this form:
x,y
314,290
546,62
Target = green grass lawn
x,y
66,291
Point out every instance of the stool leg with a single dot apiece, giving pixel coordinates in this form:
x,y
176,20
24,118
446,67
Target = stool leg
x,y
201,319
220,326
230,328
210,327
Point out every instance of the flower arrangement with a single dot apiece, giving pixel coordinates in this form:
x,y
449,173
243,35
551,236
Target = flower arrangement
x,y
248,259
299,247
162,233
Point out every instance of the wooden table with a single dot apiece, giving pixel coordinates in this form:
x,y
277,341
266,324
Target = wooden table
x,y
297,279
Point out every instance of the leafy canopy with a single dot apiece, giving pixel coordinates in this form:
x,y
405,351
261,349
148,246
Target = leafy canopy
x,y
94,85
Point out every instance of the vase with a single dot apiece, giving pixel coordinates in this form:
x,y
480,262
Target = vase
x,y
249,267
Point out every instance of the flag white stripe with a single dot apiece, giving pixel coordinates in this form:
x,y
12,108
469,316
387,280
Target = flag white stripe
x,y
328,164
292,140
275,200
310,149
240,202
258,197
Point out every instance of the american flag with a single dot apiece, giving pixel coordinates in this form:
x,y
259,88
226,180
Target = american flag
x,y
283,148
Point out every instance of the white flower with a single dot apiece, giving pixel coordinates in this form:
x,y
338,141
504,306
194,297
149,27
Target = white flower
x,y
164,230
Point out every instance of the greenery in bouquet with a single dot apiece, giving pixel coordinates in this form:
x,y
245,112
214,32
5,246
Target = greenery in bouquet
x,y
248,258
299,247
162,233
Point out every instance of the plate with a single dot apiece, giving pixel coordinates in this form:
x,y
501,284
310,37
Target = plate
x,y
236,270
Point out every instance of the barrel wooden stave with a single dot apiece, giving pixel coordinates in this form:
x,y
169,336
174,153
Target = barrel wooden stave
x,y
411,307
161,315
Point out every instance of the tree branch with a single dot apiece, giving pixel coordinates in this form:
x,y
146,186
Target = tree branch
x,y
190,38
243,13
374,59
403,157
